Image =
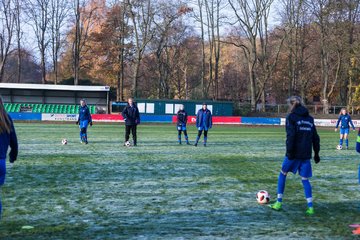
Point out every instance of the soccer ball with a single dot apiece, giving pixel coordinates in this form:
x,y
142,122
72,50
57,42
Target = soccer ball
x,y
263,197
64,141
338,147
127,144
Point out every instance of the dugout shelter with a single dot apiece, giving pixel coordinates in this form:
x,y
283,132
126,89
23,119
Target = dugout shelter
x,y
46,98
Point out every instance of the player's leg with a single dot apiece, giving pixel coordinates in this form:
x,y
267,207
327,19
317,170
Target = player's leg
x,y
198,136
346,137
81,133
186,136
134,134
205,137
179,135
127,133
341,137
305,172
287,166
84,127
2,179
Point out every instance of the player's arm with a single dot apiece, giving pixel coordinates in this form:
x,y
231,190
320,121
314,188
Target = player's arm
x,y
316,145
13,144
290,138
351,123
90,118
137,116
124,113
210,121
198,119
337,123
186,117
78,120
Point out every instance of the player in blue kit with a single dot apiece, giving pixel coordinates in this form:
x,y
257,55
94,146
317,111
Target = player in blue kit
x,y
7,138
301,137
83,121
181,124
203,123
344,121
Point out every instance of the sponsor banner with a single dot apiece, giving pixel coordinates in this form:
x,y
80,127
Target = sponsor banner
x,y
156,118
216,120
326,122
260,121
107,118
25,116
59,117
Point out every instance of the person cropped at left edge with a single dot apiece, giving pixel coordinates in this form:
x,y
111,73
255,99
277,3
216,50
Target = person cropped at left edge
x,y
83,121
7,138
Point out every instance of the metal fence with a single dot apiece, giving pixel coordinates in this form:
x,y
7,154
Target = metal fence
x,y
244,109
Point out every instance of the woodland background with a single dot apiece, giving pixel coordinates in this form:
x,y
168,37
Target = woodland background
x,y
247,51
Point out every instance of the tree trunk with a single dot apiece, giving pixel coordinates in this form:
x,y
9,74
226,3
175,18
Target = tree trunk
x,y
77,43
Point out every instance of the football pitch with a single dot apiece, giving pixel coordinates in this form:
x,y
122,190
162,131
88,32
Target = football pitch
x,y
162,190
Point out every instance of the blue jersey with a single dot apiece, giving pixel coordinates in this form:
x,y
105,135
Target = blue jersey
x,y
345,121
84,114
6,140
204,119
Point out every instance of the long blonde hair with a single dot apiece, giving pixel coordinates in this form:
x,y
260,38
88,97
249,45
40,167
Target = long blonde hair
x,y
343,109
5,124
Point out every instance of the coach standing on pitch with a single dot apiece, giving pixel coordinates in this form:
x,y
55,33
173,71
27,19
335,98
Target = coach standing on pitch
x,y
131,117
7,138
203,123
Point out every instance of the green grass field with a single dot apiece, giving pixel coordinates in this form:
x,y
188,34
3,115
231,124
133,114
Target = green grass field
x,y
160,190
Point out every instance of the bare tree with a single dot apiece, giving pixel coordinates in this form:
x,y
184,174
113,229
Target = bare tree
x,y
39,18
19,33
203,56
142,15
252,17
59,11
169,34
213,8
84,13
7,24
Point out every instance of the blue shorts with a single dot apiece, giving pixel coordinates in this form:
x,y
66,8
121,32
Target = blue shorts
x,y
84,124
203,128
181,127
294,166
344,131
2,171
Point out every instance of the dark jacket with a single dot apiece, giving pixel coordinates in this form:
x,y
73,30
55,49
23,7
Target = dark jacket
x,y
204,118
7,140
182,117
345,121
84,114
131,115
301,135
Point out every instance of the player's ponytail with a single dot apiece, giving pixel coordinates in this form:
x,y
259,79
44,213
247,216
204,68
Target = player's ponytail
x,y
5,124
294,102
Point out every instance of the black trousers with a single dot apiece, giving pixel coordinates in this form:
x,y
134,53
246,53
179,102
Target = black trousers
x,y
132,129
200,132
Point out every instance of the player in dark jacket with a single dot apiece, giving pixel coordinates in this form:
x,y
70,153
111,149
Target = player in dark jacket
x,y
131,117
301,138
7,138
203,123
83,121
344,121
181,124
